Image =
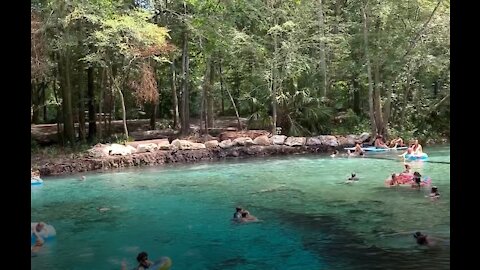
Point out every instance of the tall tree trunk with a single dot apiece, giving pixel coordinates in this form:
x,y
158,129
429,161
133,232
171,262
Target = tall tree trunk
x,y
377,101
112,99
81,116
231,98
38,94
124,113
235,108
323,60
185,93
102,85
202,101
78,86
203,129
356,96
337,13
35,103
92,119
405,97
369,73
68,128
209,95
274,82
58,111
221,87
117,86
387,109
176,120
44,104
153,115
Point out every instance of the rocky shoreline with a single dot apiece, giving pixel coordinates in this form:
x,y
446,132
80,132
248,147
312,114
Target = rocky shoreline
x,y
159,152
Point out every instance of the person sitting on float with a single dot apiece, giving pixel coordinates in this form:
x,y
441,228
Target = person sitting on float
x,y
379,142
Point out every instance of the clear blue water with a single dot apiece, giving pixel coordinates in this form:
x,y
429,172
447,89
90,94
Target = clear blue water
x,y
310,218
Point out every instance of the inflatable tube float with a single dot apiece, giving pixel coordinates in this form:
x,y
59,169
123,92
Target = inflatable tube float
x,y
47,233
407,180
36,181
421,156
375,149
164,263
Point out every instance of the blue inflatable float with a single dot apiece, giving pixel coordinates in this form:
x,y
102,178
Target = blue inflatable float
x,y
36,181
47,233
421,156
375,149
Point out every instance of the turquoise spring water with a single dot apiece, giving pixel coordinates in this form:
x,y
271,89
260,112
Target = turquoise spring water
x,y
310,218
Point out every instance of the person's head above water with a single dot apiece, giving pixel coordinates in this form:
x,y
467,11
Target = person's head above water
x,y
244,214
142,257
238,209
434,189
417,174
407,166
40,226
353,174
421,238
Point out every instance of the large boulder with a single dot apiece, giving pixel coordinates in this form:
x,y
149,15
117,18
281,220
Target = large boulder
x,y
278,139
225,144
243,141
348,140
211,144
182,144
147,147
197,146
363,137
313,141
329,140
232,135
132,149
295,141
99,151
262,140
164,145
118,150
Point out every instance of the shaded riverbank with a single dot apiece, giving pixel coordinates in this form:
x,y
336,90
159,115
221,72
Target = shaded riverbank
x,y
77,164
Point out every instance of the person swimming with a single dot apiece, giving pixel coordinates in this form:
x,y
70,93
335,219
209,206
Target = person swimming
x,y
334,154
246,217
393,181
238,213
353,177
408,169
434,194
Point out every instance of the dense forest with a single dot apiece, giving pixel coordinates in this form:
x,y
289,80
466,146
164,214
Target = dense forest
x,y
309,67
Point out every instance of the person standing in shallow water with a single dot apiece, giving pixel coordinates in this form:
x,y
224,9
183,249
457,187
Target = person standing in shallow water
x,y
417,180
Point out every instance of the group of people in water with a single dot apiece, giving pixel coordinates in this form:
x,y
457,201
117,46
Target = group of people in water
x,y
404,178
414,148
243,216
414,179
